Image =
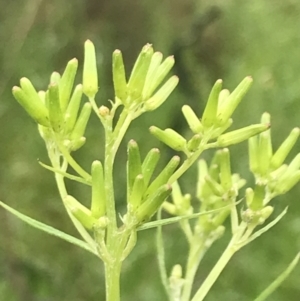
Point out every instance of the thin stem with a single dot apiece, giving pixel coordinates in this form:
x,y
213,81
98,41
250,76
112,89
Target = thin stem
x,y
195,256
216,271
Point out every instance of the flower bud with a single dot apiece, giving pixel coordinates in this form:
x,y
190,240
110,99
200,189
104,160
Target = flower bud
x,y
55,114
232,101
169,137
156,76
285,148
225,170
164,176
80,212
66,83
210,112
149,164
134,165
151,75
151,205
162,94
55,78
77,144
139,72
138,189
73,108
90,75
98,206
265,214
119,76
193,121
240,135
216,188
31,102
258,198
194,143
82,121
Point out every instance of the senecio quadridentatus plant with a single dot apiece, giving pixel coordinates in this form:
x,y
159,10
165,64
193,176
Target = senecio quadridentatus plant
x,y
62,122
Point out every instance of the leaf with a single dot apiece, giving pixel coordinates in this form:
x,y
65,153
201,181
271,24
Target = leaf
x,y
50,230
65,174
172,220
278,281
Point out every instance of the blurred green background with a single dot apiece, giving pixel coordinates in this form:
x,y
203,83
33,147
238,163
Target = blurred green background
x,y
210,39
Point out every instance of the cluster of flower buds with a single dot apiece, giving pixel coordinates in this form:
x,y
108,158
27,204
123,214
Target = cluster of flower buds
x,y
147,74
217,187
216,119
272,176
144,195
57,110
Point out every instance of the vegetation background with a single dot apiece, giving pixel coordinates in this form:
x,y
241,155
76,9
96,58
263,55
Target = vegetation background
x,y
210,39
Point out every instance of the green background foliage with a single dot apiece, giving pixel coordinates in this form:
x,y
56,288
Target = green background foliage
x,y
210,40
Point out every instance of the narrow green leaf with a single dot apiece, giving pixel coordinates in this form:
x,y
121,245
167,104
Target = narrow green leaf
x,y
278,281
50,230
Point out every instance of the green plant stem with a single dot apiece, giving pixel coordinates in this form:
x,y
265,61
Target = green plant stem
x,y
216,271
196,253
113,268
113,140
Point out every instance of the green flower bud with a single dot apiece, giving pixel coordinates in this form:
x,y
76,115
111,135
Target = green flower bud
x,y
286,184
55,114
258,198
139,72
176,272
82,121
104,112
285,148
193,121
240,135
119,76
77,144
194,143
90,75
80,212
169,208
66,83
55,78
249,196
164,176
162,94
151,75
211,108
218,131
265,214
253,154
159,75
31,102
223,96
182,202
216,188
151,205
138,189
225,170
98,206
134,165
73,108
169,137
228,106
149,164
42,95
265,152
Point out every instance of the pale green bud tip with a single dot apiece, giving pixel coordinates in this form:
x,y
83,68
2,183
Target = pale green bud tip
x,y
176,271
90,75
